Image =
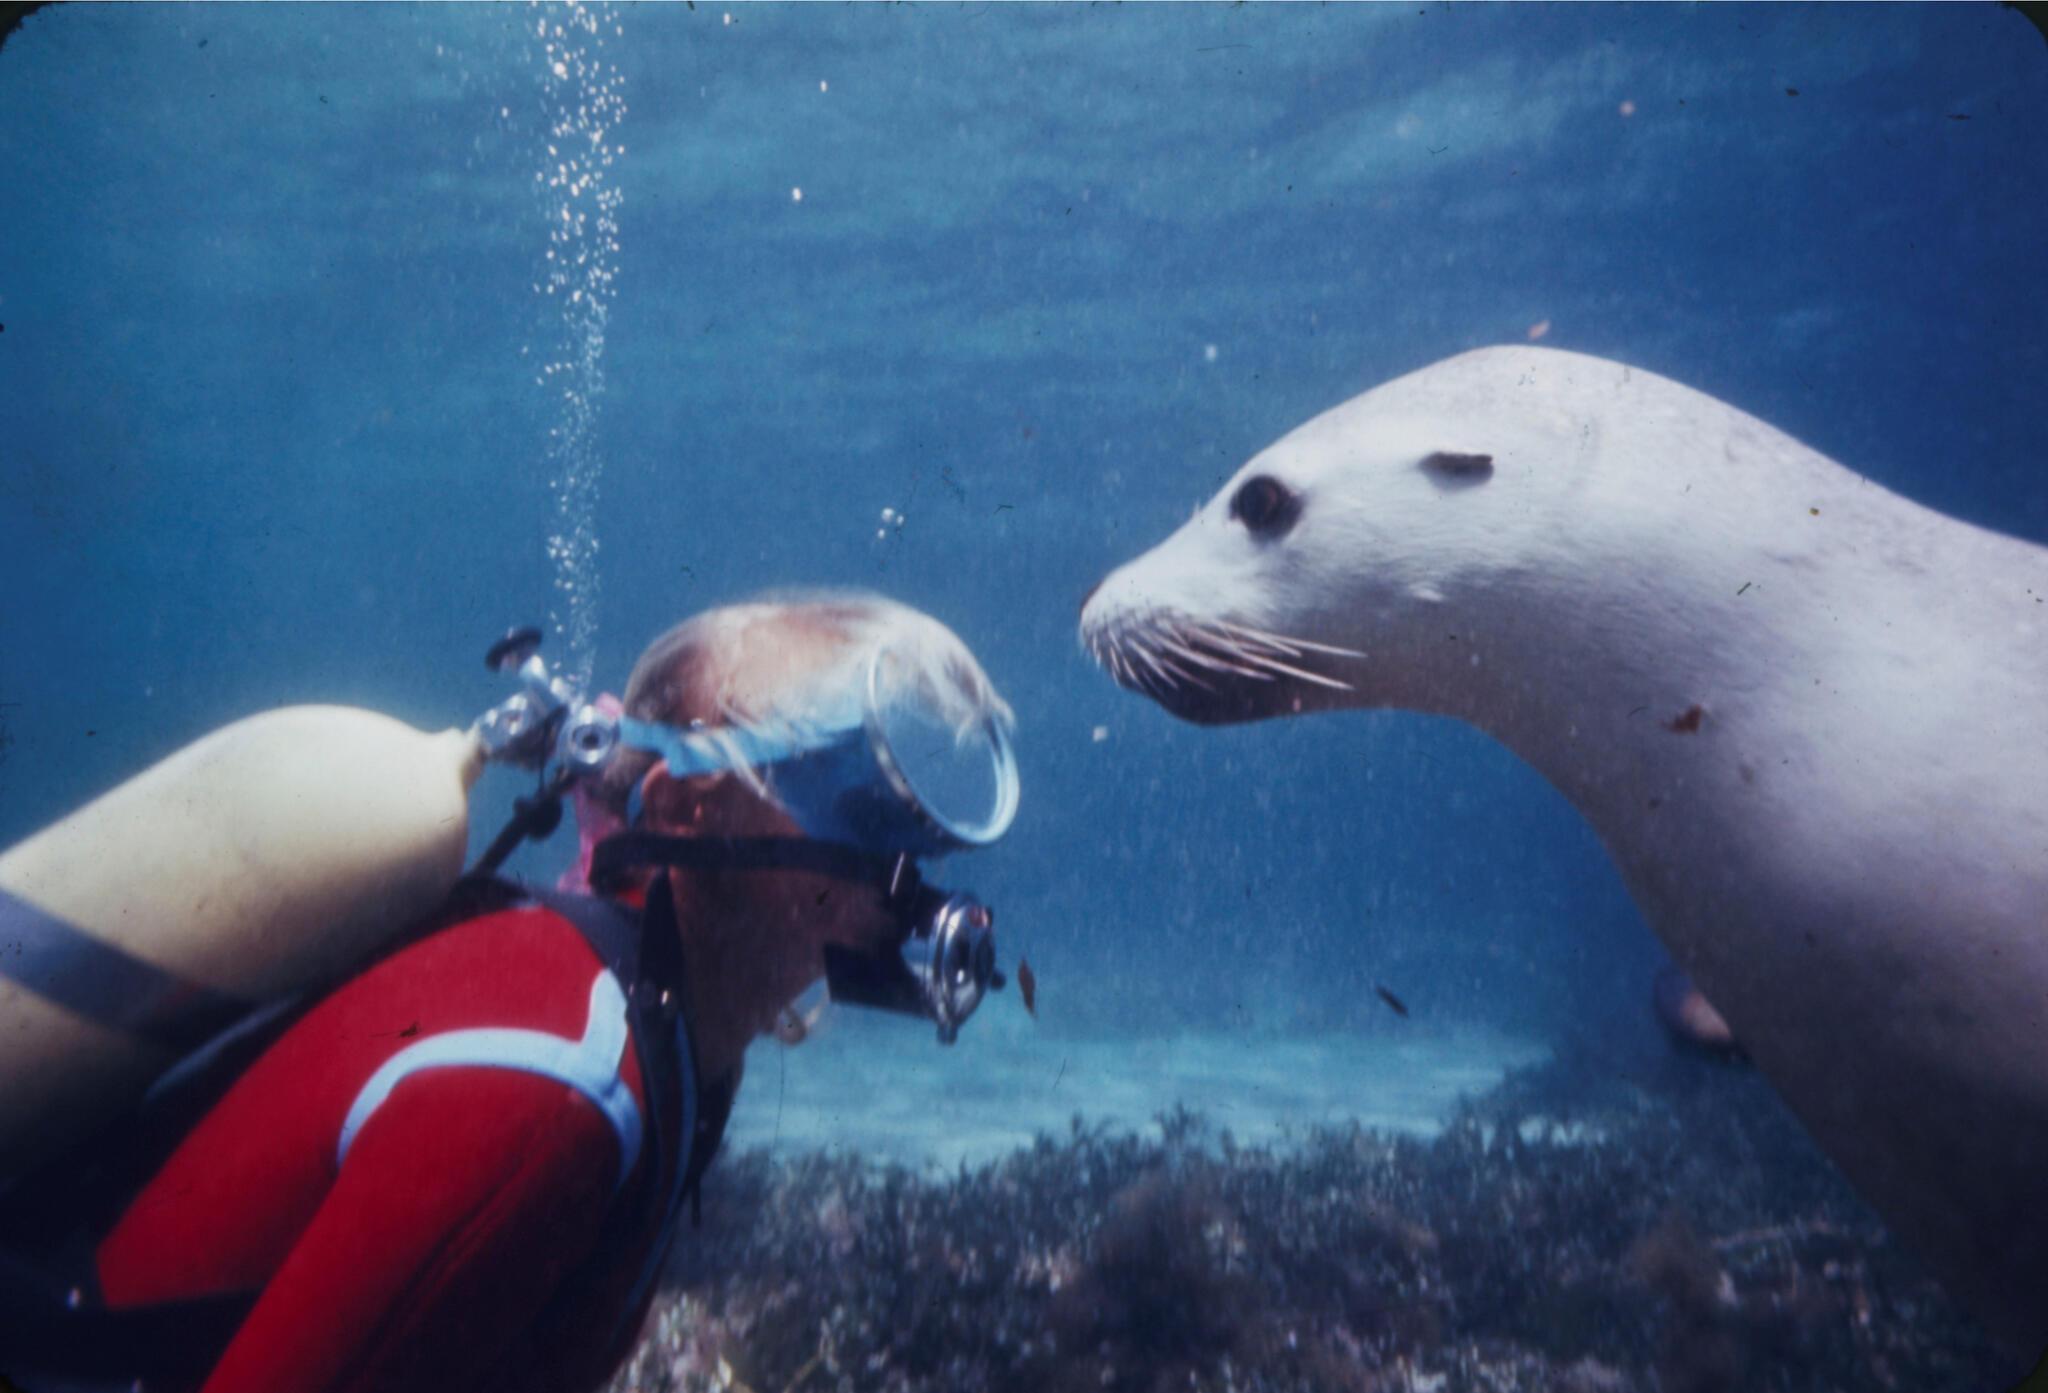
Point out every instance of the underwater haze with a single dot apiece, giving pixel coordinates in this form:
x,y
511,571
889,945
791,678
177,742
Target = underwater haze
x,y
336,340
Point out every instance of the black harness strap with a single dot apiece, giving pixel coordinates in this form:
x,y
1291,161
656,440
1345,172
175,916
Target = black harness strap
x,y
95,979
644,952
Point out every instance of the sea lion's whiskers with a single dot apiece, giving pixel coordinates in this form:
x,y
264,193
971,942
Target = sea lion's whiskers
x,y
1154,660
1126,656
1221,645
1215,662
1167,668
1186,676
1246,643
1112,657
1266,662
1179,674
1192,643
1238,641
1284,641
1109,656
1304,674
1253,662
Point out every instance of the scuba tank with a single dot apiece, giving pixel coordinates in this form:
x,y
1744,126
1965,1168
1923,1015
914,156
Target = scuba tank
x,y
263,859
274,856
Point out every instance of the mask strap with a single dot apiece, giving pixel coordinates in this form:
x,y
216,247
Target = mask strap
x,y
626,851
709,750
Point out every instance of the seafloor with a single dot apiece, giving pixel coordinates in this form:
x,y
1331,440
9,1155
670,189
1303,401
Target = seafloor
x,y
1676,1233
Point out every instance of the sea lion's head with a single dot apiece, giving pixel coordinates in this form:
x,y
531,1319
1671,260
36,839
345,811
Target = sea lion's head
x,y
1355,561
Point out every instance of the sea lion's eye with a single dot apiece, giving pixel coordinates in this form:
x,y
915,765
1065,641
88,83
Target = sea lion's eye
x,y
1265,506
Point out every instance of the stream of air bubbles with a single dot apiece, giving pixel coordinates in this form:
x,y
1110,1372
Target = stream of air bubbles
x,y
583,104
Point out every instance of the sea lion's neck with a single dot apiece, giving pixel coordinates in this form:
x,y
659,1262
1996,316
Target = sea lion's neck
x,y
1648,676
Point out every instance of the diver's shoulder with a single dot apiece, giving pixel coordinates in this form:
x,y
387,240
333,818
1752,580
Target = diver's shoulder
x,y
522,965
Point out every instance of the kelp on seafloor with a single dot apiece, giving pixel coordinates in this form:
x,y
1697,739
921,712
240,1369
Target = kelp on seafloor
x,y
1678,1235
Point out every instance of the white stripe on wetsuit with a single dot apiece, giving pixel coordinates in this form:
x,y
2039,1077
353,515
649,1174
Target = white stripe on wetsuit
x,y
590,1066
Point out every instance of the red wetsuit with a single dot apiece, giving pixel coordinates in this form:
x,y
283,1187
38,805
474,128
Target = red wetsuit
x,y
410,1177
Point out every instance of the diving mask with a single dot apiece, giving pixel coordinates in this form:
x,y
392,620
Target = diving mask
x,y
894,776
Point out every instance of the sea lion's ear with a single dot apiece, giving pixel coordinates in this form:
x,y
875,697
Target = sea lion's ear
x,y
1451,469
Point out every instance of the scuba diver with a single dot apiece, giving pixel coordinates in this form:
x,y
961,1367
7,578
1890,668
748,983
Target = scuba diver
x,y
462,1167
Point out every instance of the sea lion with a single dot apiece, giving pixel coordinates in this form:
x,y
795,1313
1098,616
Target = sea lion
x,y
1802,712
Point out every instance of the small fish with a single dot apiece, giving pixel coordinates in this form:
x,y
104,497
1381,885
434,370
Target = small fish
x,y
1027,987
1400,1008
409,1031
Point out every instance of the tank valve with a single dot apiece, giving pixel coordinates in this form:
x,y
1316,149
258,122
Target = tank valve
x,y
522,729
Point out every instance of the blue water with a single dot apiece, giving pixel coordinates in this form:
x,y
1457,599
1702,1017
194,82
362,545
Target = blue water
x,y
274,425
